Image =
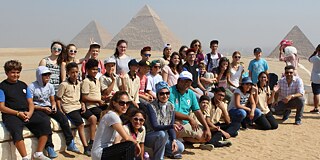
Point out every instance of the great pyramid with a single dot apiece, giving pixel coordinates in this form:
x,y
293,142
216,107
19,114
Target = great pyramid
x,y
146,29
92,31
300,41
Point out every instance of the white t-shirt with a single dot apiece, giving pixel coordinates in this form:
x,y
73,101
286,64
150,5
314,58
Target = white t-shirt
x,y
105,134
214,61
152,81
315,74
243,99
235,76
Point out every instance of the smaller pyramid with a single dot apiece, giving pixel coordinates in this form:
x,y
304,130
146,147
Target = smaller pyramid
x,y
146,29
300,41
92,31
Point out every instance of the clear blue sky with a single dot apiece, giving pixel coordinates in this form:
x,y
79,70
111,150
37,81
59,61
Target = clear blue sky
x,y
236,23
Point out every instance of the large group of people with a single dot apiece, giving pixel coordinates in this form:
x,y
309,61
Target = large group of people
x,y
160,105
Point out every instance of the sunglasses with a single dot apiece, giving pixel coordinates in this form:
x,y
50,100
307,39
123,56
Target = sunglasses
x,y
237,57
73,51
122,103
136,119
197,45
147,55
164,93
57,49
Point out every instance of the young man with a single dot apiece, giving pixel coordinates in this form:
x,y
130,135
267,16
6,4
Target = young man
x,y
257,65
153,78
291,92
145,53
144,97
184,101
132,82
18,111
68,101
43,94
94,51
212,59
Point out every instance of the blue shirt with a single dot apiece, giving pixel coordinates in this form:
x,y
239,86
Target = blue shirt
x,y
256,67
3,97
183,103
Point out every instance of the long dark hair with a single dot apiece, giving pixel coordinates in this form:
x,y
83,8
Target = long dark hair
x,y
115,98
200,46
175,68
258,83
223,59
60,58
116,52
316,51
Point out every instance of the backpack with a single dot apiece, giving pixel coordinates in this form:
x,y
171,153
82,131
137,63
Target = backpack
x,y
210,60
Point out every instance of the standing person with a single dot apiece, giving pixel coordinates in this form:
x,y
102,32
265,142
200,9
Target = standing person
x,y
212,58
165,59
43,94
315,78
221,76
182,53
110,124
53,62
161,135
196,46
70,56
290,95
145,53
122,59
153,78
94,51
17,110
170,73
264,100
288,53
257,65
193,68
242,108
236,70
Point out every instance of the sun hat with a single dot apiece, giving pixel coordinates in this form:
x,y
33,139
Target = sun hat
x,y
246,80
185,75
161,85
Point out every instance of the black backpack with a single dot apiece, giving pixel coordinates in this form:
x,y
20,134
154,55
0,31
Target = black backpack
x,y
210,60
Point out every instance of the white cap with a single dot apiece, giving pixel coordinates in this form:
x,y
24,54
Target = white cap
x,y
167,45
185,75
109,60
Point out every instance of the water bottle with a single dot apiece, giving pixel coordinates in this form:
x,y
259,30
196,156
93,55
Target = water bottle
x,y
146,156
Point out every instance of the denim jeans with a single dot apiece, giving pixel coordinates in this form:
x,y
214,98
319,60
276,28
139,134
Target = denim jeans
x,y
168,150
157,141
238,115
297,103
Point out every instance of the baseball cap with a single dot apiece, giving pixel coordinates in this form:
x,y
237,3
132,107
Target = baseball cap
x,y
109,60
167,45
43,70
146,48
257,50
144,63
190,50
246,80
95,45
154,62
133,62
185,75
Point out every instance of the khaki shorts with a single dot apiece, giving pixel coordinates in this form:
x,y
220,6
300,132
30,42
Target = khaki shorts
x,y
188,132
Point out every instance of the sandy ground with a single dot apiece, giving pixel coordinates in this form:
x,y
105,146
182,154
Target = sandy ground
x,y
287,142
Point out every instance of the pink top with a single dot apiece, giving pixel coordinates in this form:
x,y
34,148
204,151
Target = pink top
x,y
172,78
143,83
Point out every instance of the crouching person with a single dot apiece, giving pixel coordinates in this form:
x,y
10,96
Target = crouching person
x,y
43,94
17,110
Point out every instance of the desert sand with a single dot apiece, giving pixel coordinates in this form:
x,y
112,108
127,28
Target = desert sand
x,y
289,141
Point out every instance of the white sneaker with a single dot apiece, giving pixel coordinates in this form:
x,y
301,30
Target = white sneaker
x,y
41,157
208,147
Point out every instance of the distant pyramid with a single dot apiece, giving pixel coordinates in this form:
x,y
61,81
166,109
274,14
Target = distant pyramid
x,y
146,29
92,31
300,41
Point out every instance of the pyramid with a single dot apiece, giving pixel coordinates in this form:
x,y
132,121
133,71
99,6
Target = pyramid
x,y
92,31
300,41
146,29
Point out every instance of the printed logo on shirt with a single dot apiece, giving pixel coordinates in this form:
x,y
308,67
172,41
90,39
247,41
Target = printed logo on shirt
x,y
188,101
177,101
24,91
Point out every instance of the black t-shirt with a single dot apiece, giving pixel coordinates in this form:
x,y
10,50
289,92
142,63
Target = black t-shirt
x,y
15,95
194,70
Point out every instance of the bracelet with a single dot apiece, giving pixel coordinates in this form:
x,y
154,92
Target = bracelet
x,y
18,114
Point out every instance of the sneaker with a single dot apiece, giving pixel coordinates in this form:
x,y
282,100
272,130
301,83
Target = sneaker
x,y
286,115
315,110
176,156
51,152
87,152
41,157
208,147
298,122
224,143
73,148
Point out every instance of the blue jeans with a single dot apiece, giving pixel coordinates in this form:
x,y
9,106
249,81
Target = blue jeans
x,y
168,150
157,141
238,115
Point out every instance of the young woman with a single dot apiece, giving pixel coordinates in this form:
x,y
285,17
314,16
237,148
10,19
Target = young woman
x,y
182,53
221,76
243,104
264,99
122,59
236,70
165,59
53,62
161,135
196,45
70,56
103,146
170,73
315,78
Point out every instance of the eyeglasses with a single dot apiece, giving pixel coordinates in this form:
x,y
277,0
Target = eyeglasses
x,y
222,95
57,49
122,103
147,55
237,57
288,72
164,93
136,119
73,51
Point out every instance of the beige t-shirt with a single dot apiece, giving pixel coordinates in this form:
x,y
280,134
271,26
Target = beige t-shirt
x,y
70,96
105,82
215,113
133,87
263,99
140,136
92,89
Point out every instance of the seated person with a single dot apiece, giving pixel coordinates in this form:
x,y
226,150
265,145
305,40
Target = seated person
x,y
144,97
17,110
43,94
132,82
206,78
153,78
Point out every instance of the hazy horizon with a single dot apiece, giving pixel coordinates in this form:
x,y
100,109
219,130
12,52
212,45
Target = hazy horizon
x,y
238,25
